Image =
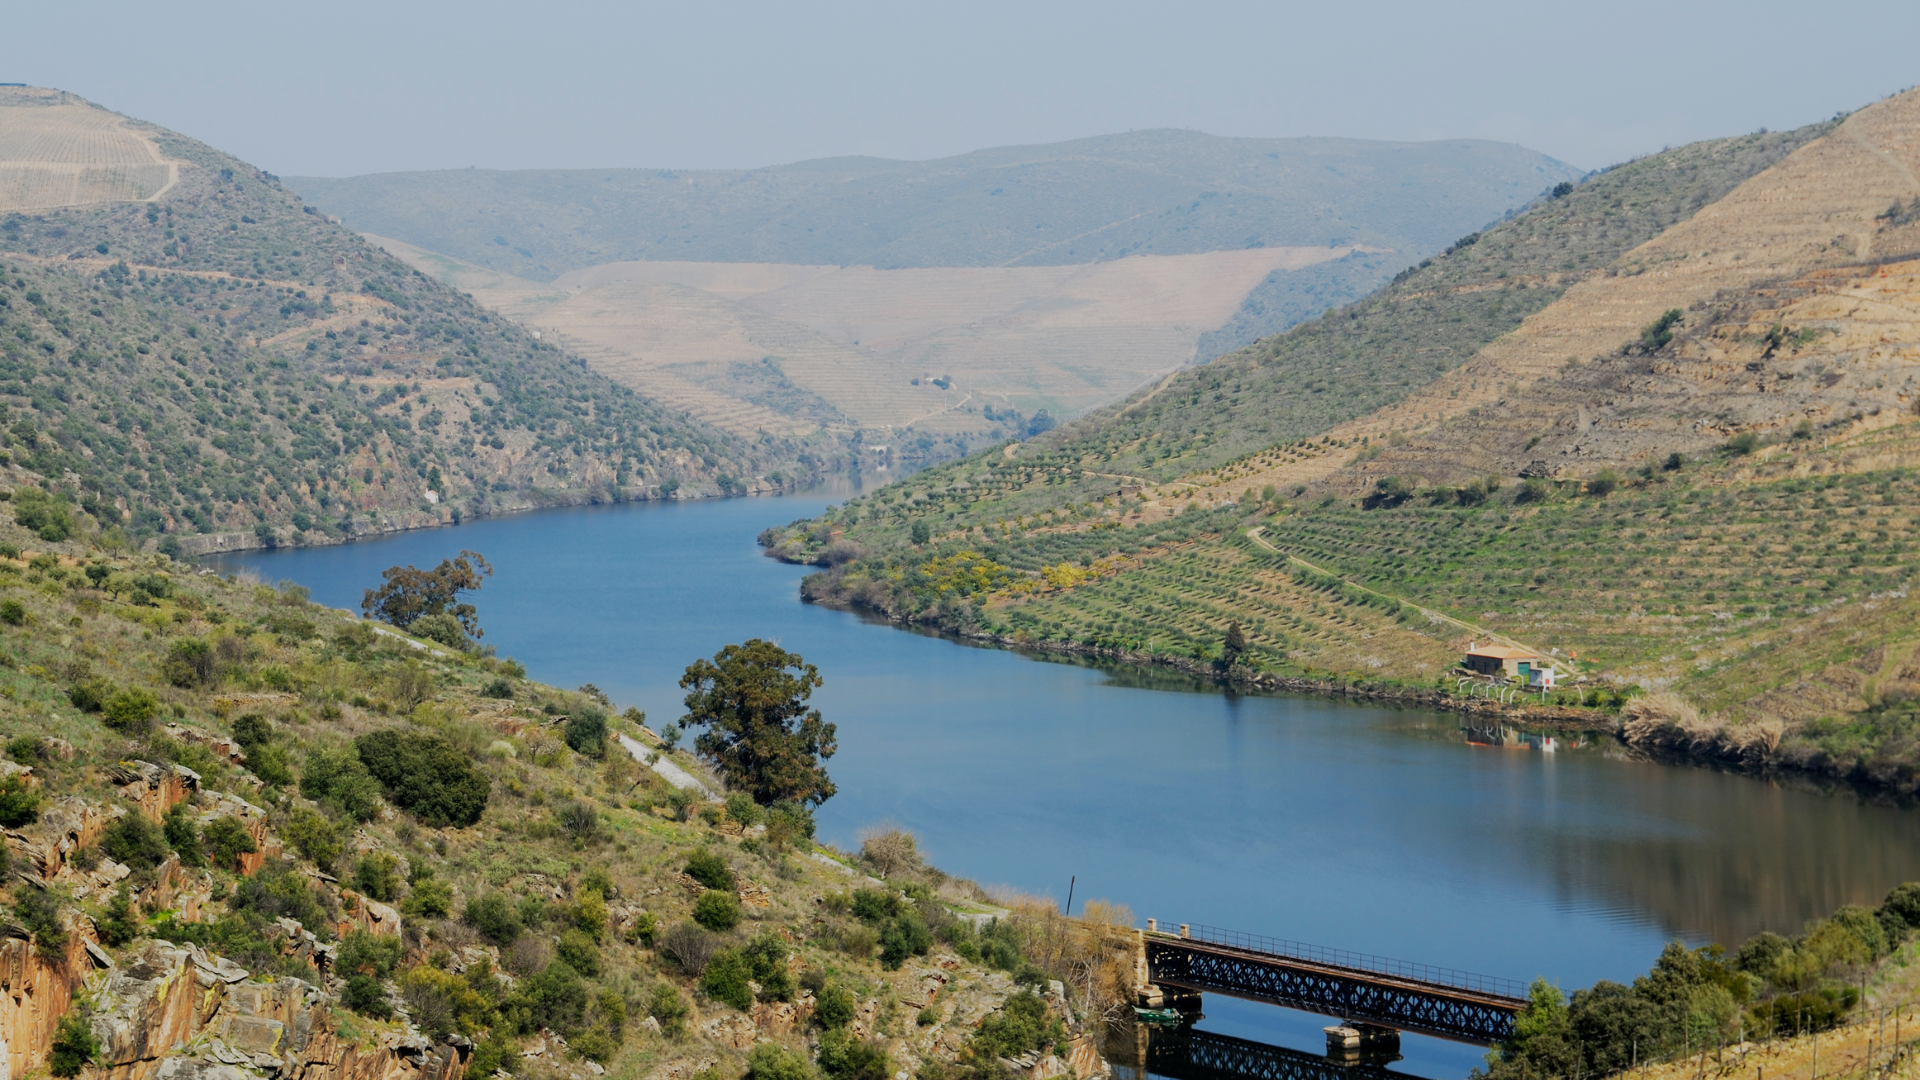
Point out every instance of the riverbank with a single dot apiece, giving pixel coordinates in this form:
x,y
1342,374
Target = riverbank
x,y
394,523
1644,728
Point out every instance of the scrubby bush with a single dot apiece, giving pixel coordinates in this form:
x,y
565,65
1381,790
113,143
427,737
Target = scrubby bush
x,y
226,840
493,918
717,910
846,1056
73,1047
315,836
688,947
834,1007
424,775
183,834
771,1061
130,711
135,840
337,779
586,731
365,961
44,515
577,948
709,869
725,979
766,956
429,898
19,803
189,663
377,875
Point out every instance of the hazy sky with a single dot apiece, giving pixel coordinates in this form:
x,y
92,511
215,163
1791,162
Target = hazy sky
x,y
350,87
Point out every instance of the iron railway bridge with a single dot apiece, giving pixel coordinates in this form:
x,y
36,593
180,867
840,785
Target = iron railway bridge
x,y
1363,990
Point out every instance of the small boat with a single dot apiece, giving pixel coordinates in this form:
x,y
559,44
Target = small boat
x,y
1157,1016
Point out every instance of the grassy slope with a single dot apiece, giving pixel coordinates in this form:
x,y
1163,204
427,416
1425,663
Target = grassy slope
x,y
233,360
1150,192
319,678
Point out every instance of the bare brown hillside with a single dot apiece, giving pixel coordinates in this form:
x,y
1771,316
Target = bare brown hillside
x,y
1808,246
787,349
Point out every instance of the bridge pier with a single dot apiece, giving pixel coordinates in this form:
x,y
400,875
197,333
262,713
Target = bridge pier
x,y
1351,1040
1150,995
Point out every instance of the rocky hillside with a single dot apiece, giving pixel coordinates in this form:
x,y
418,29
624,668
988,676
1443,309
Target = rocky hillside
x,y
250,835
1686,464
220,366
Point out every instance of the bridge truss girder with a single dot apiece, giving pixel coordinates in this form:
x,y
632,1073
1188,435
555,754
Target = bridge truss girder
x,y
1459,1017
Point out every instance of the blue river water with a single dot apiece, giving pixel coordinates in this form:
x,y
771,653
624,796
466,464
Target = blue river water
x,y
1371,829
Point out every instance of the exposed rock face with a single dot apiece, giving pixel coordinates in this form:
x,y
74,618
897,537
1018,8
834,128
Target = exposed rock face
x,y
156,789
35,990
173,1013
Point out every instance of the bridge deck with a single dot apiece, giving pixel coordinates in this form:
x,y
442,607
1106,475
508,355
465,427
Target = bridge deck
x,y
1432,1001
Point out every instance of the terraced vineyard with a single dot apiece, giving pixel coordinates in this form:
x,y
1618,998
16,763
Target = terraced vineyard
x,y
56,152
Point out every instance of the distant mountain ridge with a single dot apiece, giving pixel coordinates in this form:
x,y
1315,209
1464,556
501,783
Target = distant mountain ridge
x,y
1163,192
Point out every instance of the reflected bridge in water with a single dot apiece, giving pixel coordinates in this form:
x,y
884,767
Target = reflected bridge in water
x,y
1185,1054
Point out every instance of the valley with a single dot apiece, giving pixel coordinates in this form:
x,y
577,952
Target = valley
x,y
954,354
1709,509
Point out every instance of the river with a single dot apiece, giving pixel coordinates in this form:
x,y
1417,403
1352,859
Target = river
x,y
1364,828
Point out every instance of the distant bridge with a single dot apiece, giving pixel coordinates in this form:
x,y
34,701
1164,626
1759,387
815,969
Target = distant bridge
x,y
1370,991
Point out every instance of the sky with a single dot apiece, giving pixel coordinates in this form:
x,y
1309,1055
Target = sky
x,y
352,86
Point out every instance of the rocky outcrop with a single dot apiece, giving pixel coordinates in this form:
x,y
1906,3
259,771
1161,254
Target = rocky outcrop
x,y
176,1013
36,988
155,789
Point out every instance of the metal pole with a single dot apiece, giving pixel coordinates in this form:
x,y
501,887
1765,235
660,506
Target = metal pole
x,y
1071,880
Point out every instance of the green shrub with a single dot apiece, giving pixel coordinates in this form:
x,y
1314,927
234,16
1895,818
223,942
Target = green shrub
x,y
74,1046
365,961
726,977
135,840
19,803
189,663
424,775
428,899
226,840
875,905
12,612
742,808
1603,483
766,955
315,836
1020,1026
556,998
1658,333
903,938
122,923
710,869
131,711
645,929
846,1056
493,917
771,1061
183,834
667,1006
39,911
42,514
377,875
717,910
498,688
89,695
577,948
444,629
586,731
834,1007
338,779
